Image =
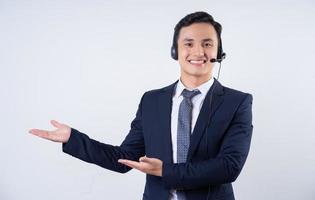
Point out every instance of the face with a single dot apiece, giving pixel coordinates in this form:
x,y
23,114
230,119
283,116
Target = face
x,y
197,44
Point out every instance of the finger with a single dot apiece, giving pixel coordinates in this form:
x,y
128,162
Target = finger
x,y
130,163
145,159
56,124
40,133
126,163
150,161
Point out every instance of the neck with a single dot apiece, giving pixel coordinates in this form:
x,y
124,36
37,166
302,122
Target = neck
x,y
193,82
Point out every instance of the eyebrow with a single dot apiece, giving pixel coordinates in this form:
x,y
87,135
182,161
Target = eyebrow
x,y
204,40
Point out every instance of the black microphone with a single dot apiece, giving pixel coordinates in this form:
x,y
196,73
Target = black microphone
x,y
213,60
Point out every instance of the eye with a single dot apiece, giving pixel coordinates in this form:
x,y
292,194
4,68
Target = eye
x,y
188,44
208,44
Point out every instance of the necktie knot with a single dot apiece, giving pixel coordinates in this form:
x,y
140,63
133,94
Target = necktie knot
x,y
190,94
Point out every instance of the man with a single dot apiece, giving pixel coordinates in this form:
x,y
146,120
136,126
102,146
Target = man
x,y
191,138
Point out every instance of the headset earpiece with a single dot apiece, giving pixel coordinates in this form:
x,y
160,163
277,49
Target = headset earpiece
x,y
174,53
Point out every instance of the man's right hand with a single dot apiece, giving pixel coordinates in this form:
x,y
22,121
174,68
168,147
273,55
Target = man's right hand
x,y
61,134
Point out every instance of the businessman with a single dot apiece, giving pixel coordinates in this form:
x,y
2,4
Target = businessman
x,y
191,138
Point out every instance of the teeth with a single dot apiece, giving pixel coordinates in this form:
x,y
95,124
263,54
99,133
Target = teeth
x,y
196,61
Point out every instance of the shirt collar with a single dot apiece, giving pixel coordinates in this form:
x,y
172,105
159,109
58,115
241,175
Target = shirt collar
x,y
203,88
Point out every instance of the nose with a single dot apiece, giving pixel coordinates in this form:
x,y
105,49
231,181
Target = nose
x,y
198,50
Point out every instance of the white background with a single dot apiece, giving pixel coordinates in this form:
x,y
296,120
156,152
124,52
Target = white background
x,y
87,64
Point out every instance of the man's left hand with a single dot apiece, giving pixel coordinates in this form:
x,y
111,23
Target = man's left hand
x,y
147,165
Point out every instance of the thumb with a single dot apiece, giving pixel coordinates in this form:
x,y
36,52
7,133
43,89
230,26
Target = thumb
x,y
55,123
145,159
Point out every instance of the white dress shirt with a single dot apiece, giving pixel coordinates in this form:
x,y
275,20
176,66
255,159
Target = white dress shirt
x,y
197,102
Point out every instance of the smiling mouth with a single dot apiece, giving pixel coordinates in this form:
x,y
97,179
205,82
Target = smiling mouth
x,y
197,62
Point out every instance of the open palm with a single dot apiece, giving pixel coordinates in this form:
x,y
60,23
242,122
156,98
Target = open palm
x,y
61,134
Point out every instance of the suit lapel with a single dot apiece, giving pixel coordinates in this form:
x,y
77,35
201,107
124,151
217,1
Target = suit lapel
x,y
210,105
165,109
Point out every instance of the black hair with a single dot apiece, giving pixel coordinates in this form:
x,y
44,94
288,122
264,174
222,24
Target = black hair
x,y
196,17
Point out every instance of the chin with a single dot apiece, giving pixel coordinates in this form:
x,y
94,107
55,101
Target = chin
x,y
197,74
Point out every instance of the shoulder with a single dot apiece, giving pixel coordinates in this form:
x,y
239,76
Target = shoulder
x,y
156,92
235,92
237,95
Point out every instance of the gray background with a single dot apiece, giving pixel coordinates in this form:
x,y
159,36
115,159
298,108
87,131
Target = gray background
x,y
87,64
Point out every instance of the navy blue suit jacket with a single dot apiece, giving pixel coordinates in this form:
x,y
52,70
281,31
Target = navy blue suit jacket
x,y
218,149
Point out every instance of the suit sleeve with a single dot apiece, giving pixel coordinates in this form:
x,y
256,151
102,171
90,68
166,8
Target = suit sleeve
x,y
82,147
229,162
